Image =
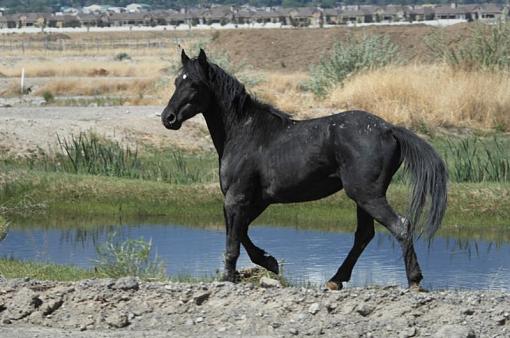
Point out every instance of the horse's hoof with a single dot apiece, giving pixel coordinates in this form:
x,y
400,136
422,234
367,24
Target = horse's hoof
x,y
231,277
272,265
416,287
334,285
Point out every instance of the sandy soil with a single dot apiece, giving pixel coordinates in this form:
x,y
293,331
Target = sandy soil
x,y
23,130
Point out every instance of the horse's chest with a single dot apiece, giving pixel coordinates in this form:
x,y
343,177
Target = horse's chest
x,y
234,170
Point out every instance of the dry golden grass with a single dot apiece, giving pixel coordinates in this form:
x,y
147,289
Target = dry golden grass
x,y
86,68
103,87
434,95
283,90
12,88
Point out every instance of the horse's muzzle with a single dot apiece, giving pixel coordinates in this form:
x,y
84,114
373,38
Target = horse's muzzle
x,y
170,120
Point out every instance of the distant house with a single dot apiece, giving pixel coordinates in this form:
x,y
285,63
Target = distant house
x,y
88,20
218,15
136,8
95,9
304,17
331,16
421,13
491,12
38,20
356,14
8,21
69,10
64,21
116,10
454,11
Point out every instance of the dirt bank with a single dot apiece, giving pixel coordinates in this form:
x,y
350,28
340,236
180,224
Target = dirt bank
x,y
23,130
272,49
128,307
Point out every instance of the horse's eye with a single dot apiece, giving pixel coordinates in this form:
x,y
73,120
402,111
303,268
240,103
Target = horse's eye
x,y
184,76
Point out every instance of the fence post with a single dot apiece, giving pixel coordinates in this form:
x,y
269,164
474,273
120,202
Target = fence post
x,y
22,81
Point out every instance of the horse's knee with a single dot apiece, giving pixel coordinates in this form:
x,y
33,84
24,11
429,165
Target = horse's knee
x,y
403,230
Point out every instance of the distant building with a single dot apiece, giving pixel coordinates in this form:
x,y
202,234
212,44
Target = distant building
x,y
247,16
137,8
95,9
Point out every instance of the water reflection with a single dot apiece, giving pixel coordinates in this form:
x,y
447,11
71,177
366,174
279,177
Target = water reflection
x,y
311,256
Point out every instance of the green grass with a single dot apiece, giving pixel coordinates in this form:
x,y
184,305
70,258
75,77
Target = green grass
x,y
62,197
14,268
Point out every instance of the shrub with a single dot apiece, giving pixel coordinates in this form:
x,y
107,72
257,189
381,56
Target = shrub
x,y
486,48
4,228
122,56
48,96
349,57
130,257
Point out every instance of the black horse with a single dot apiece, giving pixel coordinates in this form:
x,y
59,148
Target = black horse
x,y
267,157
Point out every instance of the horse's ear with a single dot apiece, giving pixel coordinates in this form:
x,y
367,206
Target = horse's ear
x,y
202,58
184,57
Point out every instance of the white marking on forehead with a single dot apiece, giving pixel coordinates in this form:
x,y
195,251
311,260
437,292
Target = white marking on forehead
x,y
184,76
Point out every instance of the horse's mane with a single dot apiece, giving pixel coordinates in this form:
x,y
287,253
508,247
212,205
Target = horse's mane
x,y
230,91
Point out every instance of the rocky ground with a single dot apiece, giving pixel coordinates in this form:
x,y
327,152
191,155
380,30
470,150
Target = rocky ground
x,y
128,307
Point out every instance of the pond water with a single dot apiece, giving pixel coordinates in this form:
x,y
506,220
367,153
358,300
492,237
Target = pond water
x,y
309,256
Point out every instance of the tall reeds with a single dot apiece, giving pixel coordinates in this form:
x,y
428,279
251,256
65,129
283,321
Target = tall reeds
x,y
88,153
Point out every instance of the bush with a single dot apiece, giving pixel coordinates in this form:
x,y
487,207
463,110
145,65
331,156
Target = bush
x,y
4,228
486,48
131,257
349,57
122,56
48,96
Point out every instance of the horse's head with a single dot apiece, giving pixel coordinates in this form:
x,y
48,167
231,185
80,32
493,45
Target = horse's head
x,y
192,94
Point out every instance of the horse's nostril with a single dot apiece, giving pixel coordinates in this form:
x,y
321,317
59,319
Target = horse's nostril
x,y
172,118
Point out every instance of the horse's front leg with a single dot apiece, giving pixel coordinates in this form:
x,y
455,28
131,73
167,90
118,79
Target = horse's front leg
x,y
239,213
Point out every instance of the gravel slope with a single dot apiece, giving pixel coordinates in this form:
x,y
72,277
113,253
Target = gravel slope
x,y
117,308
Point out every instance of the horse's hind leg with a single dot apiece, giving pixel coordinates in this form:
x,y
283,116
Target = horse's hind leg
x,y
363,236
400,228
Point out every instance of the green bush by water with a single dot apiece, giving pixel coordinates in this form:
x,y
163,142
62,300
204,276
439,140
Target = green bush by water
x,y
131,257
350,57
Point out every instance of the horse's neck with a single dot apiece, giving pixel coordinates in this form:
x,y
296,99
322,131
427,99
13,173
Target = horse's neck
x,y
216,126
224,127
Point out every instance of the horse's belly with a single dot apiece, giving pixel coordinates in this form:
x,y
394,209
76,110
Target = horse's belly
x,y
300,191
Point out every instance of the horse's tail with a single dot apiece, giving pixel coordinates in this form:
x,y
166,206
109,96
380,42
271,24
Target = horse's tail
x,y
429,178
